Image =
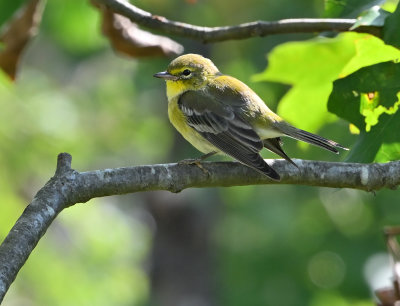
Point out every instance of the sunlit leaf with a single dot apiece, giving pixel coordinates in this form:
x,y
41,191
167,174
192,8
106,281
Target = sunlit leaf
x,y
347,8
353,129
374,16
371,110
313,65
347,94
369,99
390,5
369,50
388,152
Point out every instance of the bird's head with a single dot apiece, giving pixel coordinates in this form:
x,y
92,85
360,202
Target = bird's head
x,y
188,72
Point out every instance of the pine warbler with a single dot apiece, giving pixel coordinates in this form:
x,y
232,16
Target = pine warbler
x,y
217,113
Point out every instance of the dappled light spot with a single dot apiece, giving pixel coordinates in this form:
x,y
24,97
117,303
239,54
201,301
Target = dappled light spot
x,y
326,269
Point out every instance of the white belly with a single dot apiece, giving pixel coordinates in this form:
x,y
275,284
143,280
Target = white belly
x,y
266,133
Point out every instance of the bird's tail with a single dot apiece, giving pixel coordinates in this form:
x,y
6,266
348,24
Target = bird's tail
x,y
313,139
275,145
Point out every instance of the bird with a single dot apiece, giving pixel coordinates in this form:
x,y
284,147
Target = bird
x,y
219,114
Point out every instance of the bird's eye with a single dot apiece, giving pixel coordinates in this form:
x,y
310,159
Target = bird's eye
x,y
186,72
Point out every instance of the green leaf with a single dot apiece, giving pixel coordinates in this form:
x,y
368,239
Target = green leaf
x,y
374,16
348,95
380,144
369,50
302,107
370,109
390,5
391,28
369,99
347,8
388,151
313,65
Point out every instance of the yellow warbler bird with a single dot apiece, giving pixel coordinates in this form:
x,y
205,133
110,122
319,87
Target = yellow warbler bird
x,y
217,113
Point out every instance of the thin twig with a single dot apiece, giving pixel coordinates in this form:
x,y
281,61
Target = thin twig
x,y
241,31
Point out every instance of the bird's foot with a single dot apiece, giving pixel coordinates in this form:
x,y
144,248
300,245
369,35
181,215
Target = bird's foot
x,y
197,161
194,161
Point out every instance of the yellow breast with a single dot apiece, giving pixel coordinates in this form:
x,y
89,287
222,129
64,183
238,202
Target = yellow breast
x,y
178,120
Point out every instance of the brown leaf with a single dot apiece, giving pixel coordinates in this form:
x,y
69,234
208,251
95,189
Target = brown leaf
x,y
386,296
17,33
126,38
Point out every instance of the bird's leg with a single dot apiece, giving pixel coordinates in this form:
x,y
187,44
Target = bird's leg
x,y
205,156
197,161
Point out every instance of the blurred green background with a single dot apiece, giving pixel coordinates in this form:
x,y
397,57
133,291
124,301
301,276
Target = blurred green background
x,y
264,245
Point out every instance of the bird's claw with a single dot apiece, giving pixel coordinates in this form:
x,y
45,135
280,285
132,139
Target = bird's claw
x,y
194,161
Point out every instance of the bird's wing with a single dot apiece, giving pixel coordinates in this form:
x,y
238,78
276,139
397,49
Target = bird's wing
x,y
221,124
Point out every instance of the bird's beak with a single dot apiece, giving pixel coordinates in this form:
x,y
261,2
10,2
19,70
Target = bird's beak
x,y
165,75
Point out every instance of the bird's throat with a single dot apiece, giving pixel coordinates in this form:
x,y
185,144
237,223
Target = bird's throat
x,y
175,88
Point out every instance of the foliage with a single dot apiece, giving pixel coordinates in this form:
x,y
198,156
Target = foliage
x,y
328,59
348,8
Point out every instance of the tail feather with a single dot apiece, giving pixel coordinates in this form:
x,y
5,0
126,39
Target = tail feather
x,y
274,145
313,139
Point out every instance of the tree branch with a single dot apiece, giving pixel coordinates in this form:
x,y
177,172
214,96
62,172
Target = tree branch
x,y
69,187
241,31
